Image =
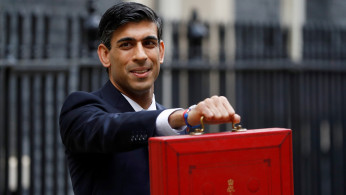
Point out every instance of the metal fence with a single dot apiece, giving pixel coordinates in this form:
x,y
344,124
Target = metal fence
x,y
310,101
32,156
247,63
48,34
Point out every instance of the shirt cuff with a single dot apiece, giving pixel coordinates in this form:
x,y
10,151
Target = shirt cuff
x,y
163,128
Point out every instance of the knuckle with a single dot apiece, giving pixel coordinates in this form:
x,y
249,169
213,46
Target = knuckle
x,y
214,97
207,100
226,115
201,104
231,113
223,98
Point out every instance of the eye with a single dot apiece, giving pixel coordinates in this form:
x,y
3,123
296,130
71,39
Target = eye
x,y
150,43
125,45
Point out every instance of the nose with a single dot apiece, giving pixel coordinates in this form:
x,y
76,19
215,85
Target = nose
x,y
140,54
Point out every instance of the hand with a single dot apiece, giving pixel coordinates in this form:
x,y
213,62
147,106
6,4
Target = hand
x,y
216,110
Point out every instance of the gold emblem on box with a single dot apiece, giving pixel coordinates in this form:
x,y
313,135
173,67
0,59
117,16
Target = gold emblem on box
x,y
230,188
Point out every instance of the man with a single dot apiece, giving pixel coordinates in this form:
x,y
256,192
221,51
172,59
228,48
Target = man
x,y
106,132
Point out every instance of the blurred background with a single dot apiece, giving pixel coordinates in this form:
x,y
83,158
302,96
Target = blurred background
x,y
281,63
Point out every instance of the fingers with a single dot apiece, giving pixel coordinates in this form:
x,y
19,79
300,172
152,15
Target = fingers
x,y
236,119
216,110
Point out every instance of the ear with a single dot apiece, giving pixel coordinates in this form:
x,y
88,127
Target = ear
x,y
103,53
162,51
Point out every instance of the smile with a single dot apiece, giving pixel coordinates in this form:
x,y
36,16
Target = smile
x,y
141,73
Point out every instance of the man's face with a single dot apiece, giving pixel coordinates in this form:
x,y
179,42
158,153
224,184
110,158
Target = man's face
x,y
135,57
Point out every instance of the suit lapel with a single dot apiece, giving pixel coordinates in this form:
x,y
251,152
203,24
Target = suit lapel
x,y
159,106
112,96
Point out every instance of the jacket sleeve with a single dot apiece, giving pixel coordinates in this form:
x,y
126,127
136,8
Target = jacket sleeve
x,y
86,125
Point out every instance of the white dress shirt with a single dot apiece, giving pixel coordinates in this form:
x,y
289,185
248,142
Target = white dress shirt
x,y
162,126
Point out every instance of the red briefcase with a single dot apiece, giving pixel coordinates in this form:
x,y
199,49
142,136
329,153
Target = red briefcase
x,y
237,163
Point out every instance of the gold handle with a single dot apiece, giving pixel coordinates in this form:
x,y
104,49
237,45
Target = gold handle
x,y
199,131
237,128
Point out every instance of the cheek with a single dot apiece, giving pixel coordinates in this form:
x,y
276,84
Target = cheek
x,y
116,71
156,72
118,65
119,72
158,69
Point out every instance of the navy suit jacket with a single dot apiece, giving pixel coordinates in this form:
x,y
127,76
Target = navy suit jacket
x,y
107,142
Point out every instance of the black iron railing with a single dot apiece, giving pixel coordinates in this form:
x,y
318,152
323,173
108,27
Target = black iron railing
x,y
40,67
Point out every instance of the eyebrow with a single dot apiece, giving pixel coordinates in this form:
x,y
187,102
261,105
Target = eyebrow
x,y
132,39
151,38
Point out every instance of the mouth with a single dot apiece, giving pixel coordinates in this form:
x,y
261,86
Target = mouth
x,y
142,73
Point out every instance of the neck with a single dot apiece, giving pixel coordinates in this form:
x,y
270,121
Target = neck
x,y
143,99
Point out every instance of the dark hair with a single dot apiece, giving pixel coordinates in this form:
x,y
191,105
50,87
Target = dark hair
x,y
123,13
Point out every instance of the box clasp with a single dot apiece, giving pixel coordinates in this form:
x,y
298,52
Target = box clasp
x,y
237,128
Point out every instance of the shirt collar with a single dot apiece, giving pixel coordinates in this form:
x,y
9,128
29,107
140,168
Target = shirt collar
x,y
137,107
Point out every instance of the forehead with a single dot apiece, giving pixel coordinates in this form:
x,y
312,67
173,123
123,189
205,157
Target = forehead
x,y
136,30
